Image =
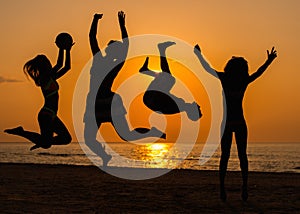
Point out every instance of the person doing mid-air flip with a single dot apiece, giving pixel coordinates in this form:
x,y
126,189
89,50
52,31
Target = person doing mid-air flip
x,y
158,96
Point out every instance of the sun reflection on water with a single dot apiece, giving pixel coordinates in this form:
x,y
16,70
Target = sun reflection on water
x,y
155,155
157,150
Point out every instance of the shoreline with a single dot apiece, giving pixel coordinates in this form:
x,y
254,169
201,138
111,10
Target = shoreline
x,y
39,188
277,159
120,167
296,170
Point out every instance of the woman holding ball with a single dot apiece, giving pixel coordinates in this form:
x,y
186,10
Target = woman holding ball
x,y
45,76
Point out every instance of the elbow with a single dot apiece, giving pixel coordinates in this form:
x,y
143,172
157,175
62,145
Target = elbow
x,y
59,65
67,68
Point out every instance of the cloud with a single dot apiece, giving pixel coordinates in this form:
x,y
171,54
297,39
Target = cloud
x,y
4,79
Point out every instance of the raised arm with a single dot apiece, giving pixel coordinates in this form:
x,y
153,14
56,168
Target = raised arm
x,y
123,49
67,65
121,17
203,61
271,56
60,60
93,34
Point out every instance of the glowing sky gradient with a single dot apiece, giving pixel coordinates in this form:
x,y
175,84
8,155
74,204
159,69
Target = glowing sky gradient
x,y
221,28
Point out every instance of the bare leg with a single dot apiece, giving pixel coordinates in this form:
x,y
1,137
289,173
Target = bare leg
x,y
90,132
163,60
241,141
19,131
126,134
225,149
162,100
63,136
192,109
145,65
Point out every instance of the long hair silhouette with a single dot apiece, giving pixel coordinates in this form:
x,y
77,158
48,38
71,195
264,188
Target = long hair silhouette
x,y
235,80
44,75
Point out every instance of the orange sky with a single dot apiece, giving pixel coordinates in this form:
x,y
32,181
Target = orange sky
x,y
222,29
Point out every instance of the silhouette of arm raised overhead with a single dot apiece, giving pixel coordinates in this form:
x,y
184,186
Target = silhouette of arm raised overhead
x,y
271,56
60,60
204,62
93,33
121,17
67,66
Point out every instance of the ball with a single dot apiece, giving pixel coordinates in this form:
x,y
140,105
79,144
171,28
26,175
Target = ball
x,y
64,40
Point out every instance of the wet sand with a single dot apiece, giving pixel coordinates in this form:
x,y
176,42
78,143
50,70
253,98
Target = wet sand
x,y
34,188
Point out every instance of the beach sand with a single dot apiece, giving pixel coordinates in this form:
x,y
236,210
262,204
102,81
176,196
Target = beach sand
x,y
33,188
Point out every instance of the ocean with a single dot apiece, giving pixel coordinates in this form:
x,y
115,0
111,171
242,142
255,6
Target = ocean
x,y
263,157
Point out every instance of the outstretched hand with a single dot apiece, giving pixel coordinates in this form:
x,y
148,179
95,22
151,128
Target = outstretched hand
x,y
272,55
98,16
121,16
197,49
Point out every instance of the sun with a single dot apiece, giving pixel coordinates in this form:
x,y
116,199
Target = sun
x,y
157,146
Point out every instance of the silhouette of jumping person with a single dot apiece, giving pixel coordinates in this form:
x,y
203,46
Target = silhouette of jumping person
x,y
235,80
45,76
158,96
106,68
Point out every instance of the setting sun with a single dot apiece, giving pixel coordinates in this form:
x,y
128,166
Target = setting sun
x,y
149,106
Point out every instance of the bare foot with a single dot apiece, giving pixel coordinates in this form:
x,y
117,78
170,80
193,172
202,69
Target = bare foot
x,y
193,111
39,145
164,136
244,193
199,111
145,66
158,133
165,45
223,195
105,157
15,131
34,147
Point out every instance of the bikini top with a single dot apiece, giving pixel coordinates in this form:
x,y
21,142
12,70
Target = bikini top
x,y
50,88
